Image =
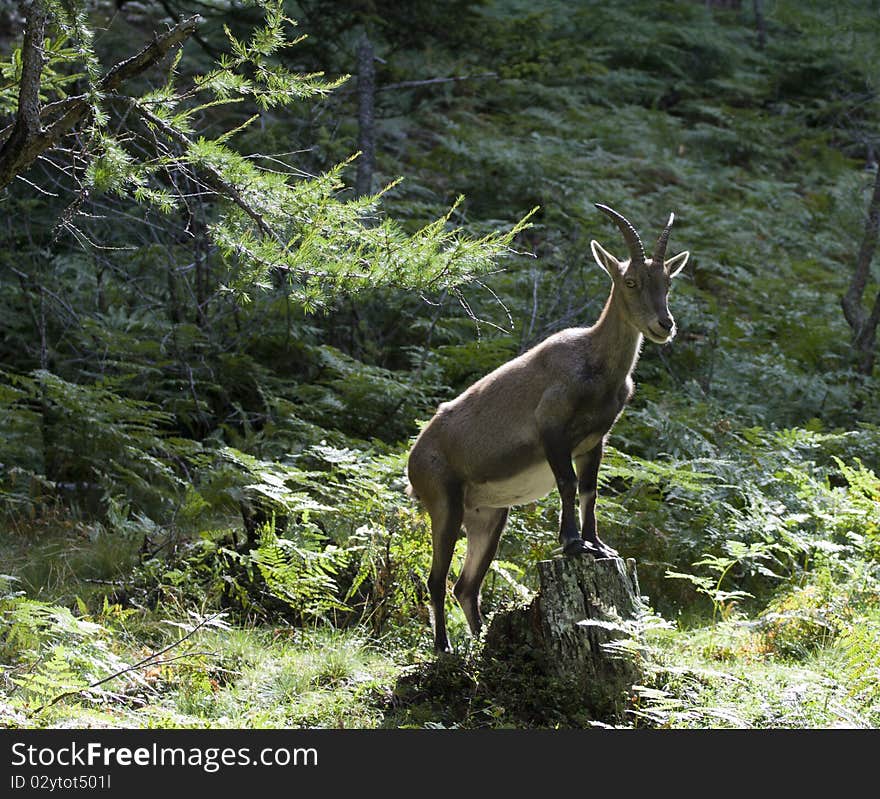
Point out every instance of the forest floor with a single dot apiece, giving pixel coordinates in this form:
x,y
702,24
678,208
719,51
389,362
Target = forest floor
x,y
208,669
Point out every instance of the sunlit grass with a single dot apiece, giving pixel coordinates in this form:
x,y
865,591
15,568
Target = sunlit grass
x,y
727,676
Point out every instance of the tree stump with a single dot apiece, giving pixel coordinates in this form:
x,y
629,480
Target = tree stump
x,y
567,647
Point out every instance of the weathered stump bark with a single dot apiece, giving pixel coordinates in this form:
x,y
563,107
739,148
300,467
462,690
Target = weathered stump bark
x,y
567,640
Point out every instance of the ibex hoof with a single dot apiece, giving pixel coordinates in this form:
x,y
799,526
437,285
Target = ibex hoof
x,y
578,546
606,552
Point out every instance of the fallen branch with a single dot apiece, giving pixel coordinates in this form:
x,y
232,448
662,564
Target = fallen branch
x,y
411,84
150,660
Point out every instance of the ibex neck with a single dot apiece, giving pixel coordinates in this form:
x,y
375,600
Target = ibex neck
x,y
616,342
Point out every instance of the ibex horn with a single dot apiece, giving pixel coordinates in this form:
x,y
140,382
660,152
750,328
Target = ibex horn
x,y
636,250
660,249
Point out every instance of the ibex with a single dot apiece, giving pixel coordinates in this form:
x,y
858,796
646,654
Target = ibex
x,y
513,435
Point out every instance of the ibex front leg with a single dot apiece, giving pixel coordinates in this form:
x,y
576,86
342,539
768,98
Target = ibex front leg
x,y
559,457
587,466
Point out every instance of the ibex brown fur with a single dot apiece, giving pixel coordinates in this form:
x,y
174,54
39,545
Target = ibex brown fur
x,y
538,421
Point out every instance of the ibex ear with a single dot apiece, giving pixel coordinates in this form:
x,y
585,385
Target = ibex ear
x,y
674,265
605,259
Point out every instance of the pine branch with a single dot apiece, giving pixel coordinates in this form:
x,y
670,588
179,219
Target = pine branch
x,y
29,139
212,177
151,54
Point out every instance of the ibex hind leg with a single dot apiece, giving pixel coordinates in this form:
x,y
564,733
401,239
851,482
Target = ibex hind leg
x,y
446,512
484,527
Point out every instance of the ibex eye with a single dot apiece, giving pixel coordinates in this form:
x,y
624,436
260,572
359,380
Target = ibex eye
x,y
631,284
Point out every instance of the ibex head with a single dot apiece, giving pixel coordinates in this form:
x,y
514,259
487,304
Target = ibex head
x,y
641,286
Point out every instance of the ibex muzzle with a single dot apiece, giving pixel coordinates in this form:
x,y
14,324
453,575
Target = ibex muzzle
x,y
537,422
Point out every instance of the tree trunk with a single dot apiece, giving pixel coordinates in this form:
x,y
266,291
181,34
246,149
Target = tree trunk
x,y
366,87
760,24
202,268
174,315
572,638
864,324
17,151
